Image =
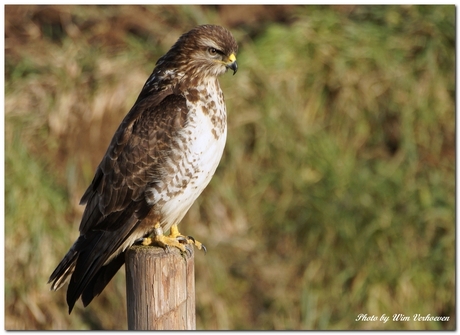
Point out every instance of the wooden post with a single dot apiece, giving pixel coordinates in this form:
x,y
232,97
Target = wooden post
x,y
160,289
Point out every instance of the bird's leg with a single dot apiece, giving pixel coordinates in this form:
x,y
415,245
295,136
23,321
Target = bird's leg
x,y
174,239
158,238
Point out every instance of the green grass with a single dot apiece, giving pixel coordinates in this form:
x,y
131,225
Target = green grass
x,y
336,192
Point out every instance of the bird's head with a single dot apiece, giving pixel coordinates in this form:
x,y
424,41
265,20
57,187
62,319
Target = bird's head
x,y
205,51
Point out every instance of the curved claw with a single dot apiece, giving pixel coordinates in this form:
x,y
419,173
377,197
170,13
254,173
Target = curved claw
x,y
186,240
199,245
166,248
189,250
181,239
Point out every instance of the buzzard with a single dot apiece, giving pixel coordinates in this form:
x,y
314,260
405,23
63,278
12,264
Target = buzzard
x,y
160,159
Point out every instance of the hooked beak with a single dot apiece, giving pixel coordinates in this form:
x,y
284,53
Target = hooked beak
x,y
233,64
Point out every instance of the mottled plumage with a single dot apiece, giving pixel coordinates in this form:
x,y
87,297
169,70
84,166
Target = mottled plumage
x,y
160,159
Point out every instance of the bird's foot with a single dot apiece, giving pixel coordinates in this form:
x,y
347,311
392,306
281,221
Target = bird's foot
x,y
174,239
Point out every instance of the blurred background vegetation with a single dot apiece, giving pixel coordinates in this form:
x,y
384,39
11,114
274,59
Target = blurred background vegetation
x,y
336,192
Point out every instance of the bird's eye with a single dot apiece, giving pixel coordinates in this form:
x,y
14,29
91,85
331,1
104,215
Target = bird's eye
x,y
212,51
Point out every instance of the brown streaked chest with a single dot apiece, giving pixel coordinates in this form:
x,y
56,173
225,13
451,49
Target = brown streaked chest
x,y
208,99
196,151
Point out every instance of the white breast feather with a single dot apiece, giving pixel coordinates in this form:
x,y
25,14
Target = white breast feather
x,y
199,159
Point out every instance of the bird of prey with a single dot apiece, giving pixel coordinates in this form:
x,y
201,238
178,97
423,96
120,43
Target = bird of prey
x,y
160,159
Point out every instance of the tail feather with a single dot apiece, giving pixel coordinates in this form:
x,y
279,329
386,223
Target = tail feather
x,y
90,264
98,253
89,261
101,279
66,267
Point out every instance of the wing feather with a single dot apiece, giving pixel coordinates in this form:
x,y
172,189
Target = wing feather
x,y
129,163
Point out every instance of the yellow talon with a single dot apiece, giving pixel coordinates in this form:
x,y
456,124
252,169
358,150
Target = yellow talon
x,y
174,231
147,241
174,239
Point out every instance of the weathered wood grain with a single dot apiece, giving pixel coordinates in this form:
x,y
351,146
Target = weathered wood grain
x,y
160,289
